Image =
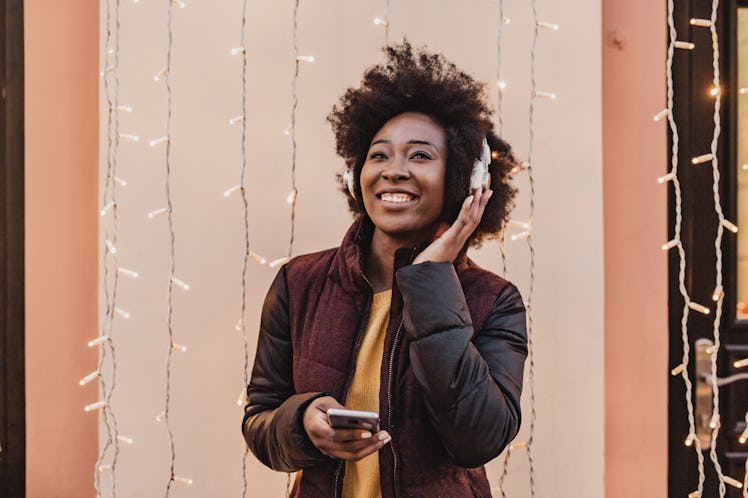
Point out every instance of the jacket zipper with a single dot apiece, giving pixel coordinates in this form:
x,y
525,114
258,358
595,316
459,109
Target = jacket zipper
x,y
391,372
356,346
389,404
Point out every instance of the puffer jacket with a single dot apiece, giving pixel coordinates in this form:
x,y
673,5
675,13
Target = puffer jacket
x,y
451,374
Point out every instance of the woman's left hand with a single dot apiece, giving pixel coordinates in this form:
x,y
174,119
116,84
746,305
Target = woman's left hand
x,y
450,240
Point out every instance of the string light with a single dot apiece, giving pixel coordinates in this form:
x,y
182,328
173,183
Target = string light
x,y
670,244
236,120
675,243
661,115
109,264
704,158
157,141
129,273
180,283
698,307
729,225
157,212
519,236
548,25
94,406
160,75
545,95
166,72
666,178
384,22
278,262
98,341
535,94
256,257
182,480
740,363
718,251
678,370
733,482
110,246
125,439
718,293
228,192
292,126
105,209
88,378
129,136
683,45
121,312
744,436
706,23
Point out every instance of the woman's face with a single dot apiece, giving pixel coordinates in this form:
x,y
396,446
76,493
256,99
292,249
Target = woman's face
x,y
402,180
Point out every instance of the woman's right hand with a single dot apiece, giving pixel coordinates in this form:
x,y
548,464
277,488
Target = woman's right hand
x,y
348,444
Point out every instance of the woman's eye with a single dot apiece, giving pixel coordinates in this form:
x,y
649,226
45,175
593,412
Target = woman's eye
x,y
420,155
377,155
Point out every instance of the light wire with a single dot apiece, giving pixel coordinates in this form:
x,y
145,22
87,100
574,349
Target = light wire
x,y
110,234
681,252
170,292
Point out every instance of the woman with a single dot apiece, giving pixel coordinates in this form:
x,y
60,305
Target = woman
x,y
397,320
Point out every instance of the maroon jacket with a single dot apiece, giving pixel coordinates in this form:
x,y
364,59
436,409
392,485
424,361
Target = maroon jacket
x,y
451,374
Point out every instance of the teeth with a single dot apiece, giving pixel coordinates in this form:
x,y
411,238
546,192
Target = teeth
x,y
397,197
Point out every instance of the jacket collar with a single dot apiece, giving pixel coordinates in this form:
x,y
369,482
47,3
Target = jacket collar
x,y
348,264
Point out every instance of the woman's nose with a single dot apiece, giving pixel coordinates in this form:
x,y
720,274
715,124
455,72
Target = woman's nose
x,y
395,170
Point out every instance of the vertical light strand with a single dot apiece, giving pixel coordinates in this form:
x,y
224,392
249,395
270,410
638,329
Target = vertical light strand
x,y
528,444
110,235
717,247
294,103
245,258
500,117
499,95
387,22
692,439
170,291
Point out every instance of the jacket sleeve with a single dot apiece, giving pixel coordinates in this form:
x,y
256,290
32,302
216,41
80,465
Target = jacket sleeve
x,y
273,419
471,383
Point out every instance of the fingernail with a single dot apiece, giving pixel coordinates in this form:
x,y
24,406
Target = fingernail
x,y
387,440
470,199
384,436
365,435
490,193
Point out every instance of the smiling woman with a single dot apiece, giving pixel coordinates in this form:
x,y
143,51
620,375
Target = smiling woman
x,y
397,320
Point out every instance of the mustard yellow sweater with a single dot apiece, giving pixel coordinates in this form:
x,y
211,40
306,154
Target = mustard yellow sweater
x,y
362,478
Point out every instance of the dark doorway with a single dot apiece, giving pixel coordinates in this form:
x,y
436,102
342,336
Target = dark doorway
x,y
12,385
693,112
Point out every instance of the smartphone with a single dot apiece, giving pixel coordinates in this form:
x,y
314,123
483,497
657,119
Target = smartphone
x,y
341,418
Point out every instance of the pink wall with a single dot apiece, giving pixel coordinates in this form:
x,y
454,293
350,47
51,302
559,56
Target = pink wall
x,y
61,56
635,221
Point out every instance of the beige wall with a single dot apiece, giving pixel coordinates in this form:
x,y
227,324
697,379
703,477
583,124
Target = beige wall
x,y
61,57
581,431
636,337
208,227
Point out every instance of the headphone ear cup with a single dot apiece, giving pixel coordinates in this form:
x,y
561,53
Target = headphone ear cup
x,y
349,183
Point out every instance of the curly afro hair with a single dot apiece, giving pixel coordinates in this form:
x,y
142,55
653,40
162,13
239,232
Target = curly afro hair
x,y
418,81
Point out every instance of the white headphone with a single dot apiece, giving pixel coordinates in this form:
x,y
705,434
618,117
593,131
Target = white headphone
x,y
479,177
348,182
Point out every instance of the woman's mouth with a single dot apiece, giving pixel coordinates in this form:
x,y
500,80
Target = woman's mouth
x,y
396,198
